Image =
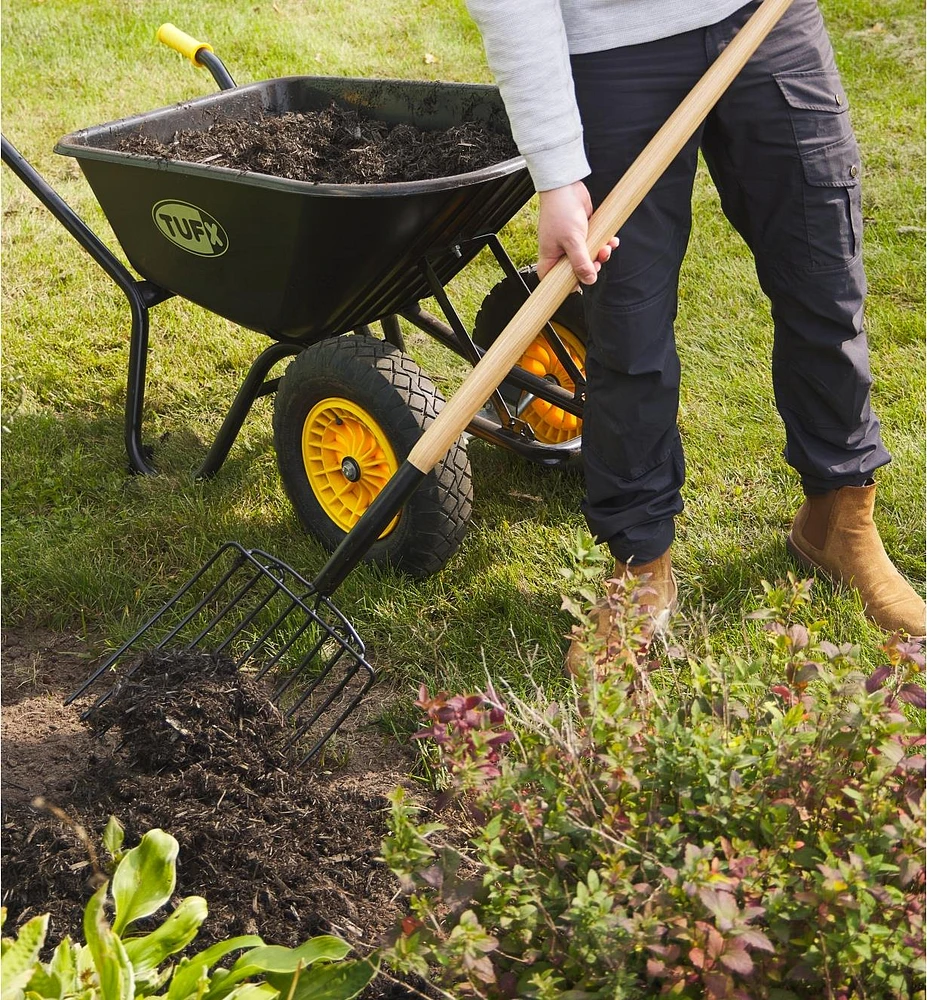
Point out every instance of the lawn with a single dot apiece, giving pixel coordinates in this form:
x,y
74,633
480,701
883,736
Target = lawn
x,y
92,549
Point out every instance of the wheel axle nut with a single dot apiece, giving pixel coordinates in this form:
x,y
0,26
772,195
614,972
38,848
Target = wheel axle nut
x,y
350,470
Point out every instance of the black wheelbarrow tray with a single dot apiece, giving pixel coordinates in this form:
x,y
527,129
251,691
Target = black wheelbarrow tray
x,y
289,258
307,263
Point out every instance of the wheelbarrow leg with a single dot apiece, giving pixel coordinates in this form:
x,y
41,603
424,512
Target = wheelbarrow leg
x,y
251,389
142,295
392,332
137,453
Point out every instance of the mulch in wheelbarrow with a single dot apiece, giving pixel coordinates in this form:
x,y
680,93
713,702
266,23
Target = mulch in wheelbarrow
x,y
197,748
333,146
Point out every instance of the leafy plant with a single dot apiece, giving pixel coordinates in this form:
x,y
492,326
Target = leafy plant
x,y
119,962
744,827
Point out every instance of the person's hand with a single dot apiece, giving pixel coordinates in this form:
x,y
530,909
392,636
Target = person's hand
x,y
563,225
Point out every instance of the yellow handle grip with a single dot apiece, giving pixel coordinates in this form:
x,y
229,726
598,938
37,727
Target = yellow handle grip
x,y
181,42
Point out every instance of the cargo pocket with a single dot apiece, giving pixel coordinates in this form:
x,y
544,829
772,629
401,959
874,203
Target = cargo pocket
x,y
830,164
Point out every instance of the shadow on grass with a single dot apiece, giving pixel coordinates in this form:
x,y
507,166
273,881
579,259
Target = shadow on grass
x,y
733,582
73,510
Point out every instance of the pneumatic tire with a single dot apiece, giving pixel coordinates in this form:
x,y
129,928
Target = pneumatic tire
x,y
348,411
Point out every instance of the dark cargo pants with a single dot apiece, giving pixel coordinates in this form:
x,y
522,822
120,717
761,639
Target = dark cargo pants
x,y
783,157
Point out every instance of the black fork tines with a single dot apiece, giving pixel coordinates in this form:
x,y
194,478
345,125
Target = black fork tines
x,y
257,610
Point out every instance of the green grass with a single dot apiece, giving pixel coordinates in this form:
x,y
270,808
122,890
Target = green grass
x,y
90,548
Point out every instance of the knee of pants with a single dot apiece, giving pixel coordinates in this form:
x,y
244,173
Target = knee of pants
x,y
631,430
627,334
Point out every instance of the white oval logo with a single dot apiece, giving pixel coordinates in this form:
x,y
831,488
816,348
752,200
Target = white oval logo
x,y
190,228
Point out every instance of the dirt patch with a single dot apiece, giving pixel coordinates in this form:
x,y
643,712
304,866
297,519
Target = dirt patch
x,y
332,146
197,748
41,662
41,741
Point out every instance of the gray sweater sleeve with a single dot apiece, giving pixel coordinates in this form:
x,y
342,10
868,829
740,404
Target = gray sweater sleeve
x,y
526,47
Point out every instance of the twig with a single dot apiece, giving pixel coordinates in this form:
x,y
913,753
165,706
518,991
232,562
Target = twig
x,y
40,803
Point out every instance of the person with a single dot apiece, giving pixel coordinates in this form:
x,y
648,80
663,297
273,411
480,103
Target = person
x,y
586,84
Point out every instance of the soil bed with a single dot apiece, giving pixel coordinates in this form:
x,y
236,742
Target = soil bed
x,y
332,146
195,747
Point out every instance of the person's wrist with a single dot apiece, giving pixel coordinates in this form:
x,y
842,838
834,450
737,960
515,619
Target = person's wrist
x,y
553,194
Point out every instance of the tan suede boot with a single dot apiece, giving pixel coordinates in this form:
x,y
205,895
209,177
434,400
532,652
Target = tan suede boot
x,y
835,532
658,598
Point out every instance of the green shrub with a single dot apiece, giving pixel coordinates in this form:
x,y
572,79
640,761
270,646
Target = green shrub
x,y
730,826
119,963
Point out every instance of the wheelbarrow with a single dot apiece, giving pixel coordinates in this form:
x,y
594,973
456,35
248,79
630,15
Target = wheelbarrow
x,y
371,485
307,264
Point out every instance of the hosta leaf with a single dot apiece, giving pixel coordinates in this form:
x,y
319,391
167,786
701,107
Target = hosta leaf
x,y
152,983
254,991
223,982
83,963
188,973
197,983
113,836
279,964
19,959
114,971
340,981
63,966
144,879
275,958
177,931
44,984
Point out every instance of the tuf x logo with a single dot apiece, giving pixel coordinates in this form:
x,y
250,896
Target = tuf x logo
x,y
190,228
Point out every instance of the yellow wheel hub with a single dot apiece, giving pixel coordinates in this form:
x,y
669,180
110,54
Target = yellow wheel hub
x,y
348,460
550,424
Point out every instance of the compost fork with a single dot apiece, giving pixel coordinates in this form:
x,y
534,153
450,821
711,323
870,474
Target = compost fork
x,y
288,624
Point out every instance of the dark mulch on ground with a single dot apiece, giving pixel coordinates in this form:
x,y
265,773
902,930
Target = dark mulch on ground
x,y
333,146
195,747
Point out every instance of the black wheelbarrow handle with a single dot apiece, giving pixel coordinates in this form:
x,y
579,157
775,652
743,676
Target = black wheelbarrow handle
x,y
550,293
